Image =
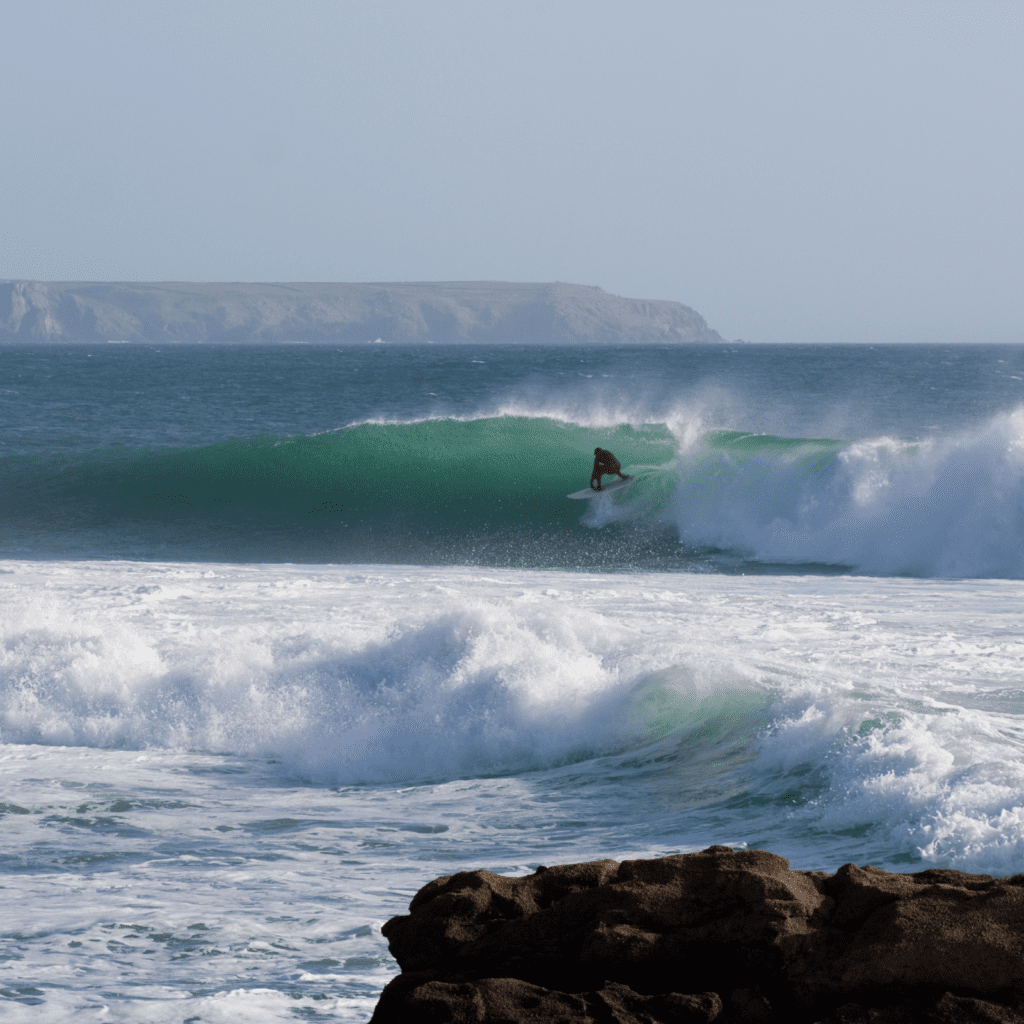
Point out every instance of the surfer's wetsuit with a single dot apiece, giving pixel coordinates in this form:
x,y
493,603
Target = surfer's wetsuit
x,y
604,462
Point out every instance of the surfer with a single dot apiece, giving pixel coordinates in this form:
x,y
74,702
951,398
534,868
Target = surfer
x,y
604,462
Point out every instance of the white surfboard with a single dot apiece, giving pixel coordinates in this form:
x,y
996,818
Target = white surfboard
x,y
589,492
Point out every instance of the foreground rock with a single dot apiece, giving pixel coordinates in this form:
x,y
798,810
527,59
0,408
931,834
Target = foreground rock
x,y
482,312
714,936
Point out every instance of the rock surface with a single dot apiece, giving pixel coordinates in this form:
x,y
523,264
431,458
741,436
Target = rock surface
x,y
718,936
483,312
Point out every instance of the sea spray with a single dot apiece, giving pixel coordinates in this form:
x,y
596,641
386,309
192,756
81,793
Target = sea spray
x,y
951,505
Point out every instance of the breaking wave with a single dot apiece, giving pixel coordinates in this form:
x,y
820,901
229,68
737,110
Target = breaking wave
x,y
491,490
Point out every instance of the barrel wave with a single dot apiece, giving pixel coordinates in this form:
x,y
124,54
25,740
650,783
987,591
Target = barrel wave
x,y
487,490
491,490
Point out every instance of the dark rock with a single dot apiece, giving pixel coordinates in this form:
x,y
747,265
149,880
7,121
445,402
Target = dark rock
x,y
423,998
714,936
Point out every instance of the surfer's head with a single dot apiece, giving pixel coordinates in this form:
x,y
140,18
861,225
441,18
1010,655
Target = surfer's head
x,y
597,451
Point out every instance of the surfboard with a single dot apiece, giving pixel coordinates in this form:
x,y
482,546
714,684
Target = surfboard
x,y
589,492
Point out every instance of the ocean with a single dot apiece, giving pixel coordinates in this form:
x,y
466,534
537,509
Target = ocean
x,y
287,632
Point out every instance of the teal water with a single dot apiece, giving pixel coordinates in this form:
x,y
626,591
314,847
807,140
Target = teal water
x,y
746,458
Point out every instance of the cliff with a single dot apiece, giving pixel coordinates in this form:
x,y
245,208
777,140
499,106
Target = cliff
x,y
718,936
442,313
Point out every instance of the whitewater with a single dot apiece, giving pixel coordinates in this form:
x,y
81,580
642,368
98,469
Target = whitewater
x,y
286,633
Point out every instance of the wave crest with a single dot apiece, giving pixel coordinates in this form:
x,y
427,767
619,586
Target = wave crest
x,y
491,490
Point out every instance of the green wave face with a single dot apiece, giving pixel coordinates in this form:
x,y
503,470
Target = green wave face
x,y
394,485
502,468
445,471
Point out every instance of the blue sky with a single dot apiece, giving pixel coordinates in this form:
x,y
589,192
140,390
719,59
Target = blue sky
x,y
793,171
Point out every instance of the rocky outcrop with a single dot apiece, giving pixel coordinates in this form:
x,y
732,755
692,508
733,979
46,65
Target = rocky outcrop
x,y
718,936
483,312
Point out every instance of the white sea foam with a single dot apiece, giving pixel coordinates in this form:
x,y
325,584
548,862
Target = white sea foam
x,y
401,678
227,777
947,506
354,675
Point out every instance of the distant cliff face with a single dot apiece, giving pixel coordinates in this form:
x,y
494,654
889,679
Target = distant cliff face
x,y
443,313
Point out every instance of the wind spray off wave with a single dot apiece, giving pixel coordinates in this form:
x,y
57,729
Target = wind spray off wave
x,y
950,505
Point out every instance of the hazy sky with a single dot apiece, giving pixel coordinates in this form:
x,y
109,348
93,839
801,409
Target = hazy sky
x,y
794,171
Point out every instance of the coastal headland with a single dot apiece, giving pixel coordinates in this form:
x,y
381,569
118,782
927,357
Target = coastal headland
x,y
718,936
454,312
